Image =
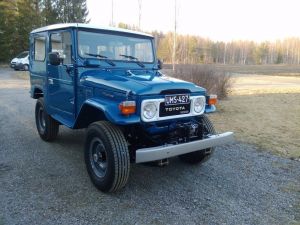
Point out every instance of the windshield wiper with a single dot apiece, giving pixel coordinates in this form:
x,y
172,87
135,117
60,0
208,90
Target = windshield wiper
x,y
134,58
102,57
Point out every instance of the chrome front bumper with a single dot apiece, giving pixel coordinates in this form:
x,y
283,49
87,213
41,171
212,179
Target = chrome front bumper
x,y
167,151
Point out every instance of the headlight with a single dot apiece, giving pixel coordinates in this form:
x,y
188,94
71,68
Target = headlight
x,y
149,110
199,104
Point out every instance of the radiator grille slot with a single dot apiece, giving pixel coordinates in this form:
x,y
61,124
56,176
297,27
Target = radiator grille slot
x,y
174,91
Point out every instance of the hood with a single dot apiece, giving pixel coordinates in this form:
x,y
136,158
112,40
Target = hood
x,y
14,60
24,60
137,82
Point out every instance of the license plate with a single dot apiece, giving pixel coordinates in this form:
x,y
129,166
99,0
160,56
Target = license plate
x,y
177,99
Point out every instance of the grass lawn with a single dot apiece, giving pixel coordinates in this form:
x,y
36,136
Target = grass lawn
x,y
265,112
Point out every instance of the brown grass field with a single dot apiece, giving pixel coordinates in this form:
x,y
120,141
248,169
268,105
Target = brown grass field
x,y
278,70
263,110
263,107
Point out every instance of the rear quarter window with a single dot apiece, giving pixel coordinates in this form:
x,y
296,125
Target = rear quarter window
x,y
39,48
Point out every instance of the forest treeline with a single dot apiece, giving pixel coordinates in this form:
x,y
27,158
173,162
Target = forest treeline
x,y
194,50
19,17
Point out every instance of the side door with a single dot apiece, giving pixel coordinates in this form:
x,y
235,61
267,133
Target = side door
x,y
61,78
38,63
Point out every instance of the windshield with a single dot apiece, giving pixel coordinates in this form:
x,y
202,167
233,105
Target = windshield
x,y
114,47
22,55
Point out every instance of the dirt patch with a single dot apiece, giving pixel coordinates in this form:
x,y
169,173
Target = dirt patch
x,y
263,110
11,79
263,84
24,75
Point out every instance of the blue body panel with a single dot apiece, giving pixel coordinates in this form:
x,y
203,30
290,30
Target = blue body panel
x,y
210,108
69,89
112,111
139,82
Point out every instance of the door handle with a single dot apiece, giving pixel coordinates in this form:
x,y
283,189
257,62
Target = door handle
x,y
50,81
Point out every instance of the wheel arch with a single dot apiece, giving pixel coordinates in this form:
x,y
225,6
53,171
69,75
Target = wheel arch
x,y
89,114
37,93
94,110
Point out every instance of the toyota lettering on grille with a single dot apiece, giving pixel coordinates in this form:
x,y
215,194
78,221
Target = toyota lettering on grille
x,y
178,108
173,110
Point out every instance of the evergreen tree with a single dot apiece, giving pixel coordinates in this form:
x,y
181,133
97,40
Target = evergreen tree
x,y
49,12
19,17
27,20
8,33
72,11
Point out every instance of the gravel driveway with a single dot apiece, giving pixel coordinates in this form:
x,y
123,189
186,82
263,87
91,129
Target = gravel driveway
x,y
47,183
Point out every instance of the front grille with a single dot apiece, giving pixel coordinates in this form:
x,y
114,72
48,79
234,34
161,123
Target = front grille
x,y
174,91
173,110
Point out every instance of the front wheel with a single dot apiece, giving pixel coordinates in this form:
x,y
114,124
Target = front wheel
x,y
46,126
202,155
106,156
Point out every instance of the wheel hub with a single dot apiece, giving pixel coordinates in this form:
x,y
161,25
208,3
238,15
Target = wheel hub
x,y
95,156
98,157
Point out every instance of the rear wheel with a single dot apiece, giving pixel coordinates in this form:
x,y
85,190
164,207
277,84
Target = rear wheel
x,y
26,67
202,155
106,156
47,127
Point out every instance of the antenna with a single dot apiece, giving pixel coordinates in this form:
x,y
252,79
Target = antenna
x,y
174,36
140,13
112,13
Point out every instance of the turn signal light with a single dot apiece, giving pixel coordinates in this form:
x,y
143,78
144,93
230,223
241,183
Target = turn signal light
x,y
127,107
212,99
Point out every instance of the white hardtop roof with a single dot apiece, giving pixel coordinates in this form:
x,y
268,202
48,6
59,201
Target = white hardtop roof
x,y
89,26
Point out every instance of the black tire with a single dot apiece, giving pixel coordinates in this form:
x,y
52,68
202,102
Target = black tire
x,y
106,156
26,67
202,155
47,127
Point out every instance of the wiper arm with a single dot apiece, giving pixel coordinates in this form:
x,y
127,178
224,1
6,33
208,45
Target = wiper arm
x,y
102,57
129,57
134,58
96,55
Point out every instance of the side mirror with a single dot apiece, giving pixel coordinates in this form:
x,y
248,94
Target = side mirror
x,y
159,64
54,58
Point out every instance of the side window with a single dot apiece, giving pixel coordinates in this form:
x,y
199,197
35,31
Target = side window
x,y
39,48
62,43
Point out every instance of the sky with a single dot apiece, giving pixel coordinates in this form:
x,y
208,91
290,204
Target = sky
x,y
222,20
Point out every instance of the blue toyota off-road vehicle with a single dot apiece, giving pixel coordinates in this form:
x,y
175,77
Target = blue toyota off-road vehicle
x,y
108,80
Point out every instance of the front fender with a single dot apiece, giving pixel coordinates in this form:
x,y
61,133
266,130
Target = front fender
x,y
111,111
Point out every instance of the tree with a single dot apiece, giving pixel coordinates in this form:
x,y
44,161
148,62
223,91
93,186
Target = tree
x,y
49,12
127,26
72,11
8,12
27,20
19,17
